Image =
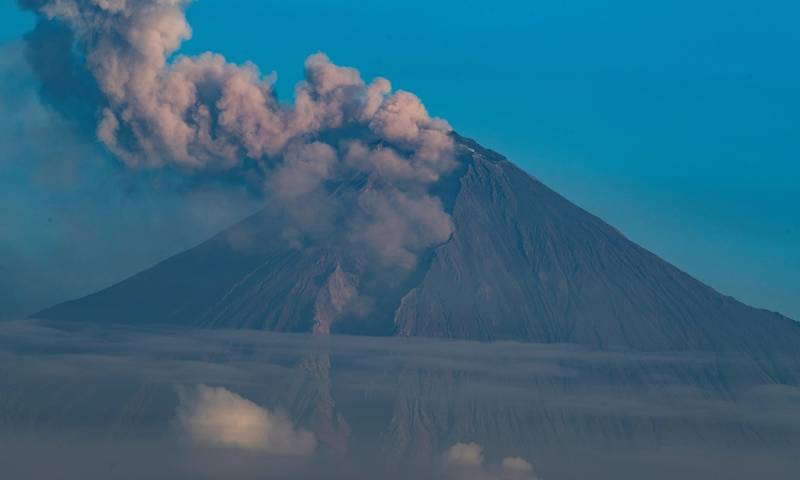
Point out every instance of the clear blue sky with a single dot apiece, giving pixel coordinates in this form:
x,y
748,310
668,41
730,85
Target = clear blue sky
x,y
677,122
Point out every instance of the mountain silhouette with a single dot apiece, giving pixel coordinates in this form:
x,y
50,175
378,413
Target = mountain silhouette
x,y
522,264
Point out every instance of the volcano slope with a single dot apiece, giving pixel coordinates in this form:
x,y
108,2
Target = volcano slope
x,y
522,264
591,347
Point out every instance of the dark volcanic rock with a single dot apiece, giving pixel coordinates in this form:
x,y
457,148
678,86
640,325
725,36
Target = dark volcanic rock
x,y
523,264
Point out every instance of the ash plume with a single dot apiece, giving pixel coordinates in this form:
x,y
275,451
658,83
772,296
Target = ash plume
x,y
156,109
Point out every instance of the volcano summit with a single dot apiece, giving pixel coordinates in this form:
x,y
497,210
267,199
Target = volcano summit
x,y
522,263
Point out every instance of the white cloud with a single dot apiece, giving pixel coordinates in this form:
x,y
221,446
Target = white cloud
x,y
465,461
464,455
215,416
516,468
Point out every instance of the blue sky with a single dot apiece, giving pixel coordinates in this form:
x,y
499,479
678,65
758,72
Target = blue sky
x,y
677,122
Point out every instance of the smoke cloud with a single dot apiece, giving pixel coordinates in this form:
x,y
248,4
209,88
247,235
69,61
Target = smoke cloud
x,y
218,417
206,116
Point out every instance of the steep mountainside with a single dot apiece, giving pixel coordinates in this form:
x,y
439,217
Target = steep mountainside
x,y
523,263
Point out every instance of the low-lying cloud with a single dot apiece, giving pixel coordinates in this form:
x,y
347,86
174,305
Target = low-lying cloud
x,y
465,461
463,455
217,417
406,403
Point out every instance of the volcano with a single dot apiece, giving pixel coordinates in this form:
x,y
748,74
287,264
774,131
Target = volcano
x,y
523,263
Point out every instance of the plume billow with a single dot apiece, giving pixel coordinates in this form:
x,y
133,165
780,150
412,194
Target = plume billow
x,y
204,115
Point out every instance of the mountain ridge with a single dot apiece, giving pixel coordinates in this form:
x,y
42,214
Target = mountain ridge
x,y
523,263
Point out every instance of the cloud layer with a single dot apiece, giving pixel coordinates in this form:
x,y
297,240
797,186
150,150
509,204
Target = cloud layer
x,y
205,115
406,400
